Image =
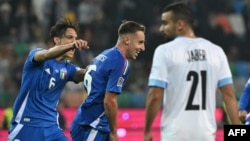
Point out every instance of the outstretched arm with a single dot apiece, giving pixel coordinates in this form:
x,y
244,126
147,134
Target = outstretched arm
x,y
59,50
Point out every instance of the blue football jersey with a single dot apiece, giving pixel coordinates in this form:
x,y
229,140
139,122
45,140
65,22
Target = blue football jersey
x,y
244,102
41,87
108,72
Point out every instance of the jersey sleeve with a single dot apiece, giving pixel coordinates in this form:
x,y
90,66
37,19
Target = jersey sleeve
x,y
30,58
158,75
118,75
72,70
225,76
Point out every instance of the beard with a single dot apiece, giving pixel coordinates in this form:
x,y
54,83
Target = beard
x,y
168,38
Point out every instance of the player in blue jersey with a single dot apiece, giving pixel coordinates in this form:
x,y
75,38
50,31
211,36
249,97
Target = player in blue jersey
x,y
45,73
96,119
244,104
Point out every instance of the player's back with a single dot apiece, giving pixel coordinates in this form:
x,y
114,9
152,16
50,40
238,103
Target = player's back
x,y
194,69
108,72
98,79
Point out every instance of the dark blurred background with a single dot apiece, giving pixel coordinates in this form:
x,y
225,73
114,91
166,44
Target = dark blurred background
x,y
25,24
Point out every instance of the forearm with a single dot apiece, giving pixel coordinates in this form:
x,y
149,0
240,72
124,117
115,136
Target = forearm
x,y
59,50
232,109
111,107
152,108
53,52
153,105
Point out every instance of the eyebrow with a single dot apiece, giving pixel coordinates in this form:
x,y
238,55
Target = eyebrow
x,y
142,41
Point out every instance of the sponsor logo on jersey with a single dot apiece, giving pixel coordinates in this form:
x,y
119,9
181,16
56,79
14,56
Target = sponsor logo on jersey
x,y
26,119
48,70
120,82
63,73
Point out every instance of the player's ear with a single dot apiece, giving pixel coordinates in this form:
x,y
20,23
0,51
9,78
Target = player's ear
x,y
180,24
57,40
126,40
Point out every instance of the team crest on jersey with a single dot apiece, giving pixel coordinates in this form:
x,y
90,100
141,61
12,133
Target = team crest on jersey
x,y
63,73
120,82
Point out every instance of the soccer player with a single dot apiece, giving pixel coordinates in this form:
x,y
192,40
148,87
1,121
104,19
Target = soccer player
x,y
185,75
244,104
45,73
96,118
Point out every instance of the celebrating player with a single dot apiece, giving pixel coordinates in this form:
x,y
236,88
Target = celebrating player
x,y
96,119
45,73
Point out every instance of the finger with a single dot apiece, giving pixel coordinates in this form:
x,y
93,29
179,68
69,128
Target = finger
x,y
75,45
81,44
85,45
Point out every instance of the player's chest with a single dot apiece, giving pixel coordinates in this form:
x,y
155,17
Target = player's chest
x,y
53,73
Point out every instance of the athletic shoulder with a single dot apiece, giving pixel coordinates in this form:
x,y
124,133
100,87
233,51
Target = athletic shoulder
x,y
209,43
113,55
111,59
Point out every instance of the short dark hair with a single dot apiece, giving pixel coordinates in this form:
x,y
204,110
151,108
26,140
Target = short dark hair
x,y
180,12
130,27
58,30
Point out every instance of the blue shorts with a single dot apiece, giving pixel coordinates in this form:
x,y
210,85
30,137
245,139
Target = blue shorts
x,y
87,133
30,133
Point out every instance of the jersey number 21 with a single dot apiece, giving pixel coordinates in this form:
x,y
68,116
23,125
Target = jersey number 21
x,y
192,75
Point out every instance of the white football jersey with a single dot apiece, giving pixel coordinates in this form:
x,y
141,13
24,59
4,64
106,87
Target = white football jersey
x,y
190,70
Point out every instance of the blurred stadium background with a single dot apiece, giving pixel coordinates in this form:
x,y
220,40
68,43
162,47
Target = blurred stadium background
x,y
24,24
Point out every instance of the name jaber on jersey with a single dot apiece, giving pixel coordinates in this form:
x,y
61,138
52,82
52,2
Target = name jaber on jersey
x,y
196,55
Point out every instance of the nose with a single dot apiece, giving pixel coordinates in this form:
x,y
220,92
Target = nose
x,y
161,29
143,47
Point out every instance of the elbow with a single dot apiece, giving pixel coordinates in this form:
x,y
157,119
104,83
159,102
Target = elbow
x,y
41,56
155,94
79,75
110,101
155,97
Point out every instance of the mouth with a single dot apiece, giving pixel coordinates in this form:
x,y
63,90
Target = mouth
x,y
137,53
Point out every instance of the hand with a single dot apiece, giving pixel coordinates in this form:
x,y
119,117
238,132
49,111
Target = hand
x,y
113,137
243,115
148,137
80,44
